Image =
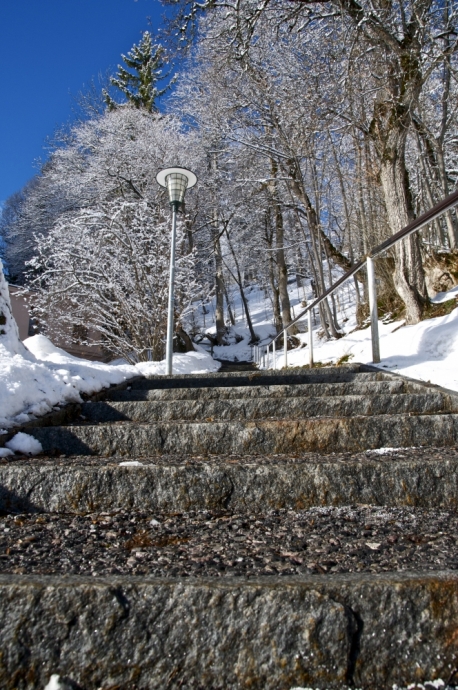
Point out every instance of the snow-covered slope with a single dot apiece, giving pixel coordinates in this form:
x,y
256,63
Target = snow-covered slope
x,y
36,376
427,351
43,376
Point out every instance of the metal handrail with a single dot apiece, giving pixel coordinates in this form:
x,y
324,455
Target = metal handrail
x,y
427,217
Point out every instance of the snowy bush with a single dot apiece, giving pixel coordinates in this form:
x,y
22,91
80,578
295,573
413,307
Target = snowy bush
x,y
105,272
101,263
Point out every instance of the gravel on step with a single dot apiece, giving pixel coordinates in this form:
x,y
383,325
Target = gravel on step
x,y
380,455
319,540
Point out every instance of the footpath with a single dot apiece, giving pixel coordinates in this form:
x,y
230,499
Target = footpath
x,y
244,529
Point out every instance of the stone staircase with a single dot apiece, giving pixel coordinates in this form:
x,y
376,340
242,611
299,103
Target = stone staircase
x,y
234,448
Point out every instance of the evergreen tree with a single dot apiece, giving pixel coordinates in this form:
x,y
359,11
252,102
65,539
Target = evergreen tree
x,y
147,61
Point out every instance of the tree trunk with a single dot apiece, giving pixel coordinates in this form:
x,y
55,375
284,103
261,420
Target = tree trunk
x,y
272,281
219,286
282,271
187,342
239,281
409,276
452,231
229,309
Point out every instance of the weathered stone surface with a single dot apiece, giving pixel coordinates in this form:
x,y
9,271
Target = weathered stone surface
x,y
291,372
371,630
238,487
282,391
265,408
261,378
323,435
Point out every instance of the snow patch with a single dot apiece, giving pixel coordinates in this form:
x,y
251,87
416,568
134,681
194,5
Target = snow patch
x,y
57,683
131,463
24,443
197,362
40,376
386,451
445,296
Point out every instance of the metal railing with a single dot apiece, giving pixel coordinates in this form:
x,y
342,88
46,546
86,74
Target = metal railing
x,y
261,353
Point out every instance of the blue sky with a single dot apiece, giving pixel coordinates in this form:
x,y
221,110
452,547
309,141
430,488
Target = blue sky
x,y
49,51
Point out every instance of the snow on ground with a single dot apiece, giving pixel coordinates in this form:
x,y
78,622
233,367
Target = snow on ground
x,y
44,376
25,444
427,351
36,376
444,296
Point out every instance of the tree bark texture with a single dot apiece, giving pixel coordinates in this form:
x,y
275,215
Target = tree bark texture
x,y
219,286
409,276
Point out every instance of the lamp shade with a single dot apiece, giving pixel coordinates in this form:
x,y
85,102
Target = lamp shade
x,y
176,181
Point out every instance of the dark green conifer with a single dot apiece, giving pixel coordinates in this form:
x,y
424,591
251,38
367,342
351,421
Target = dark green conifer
x,y
147,60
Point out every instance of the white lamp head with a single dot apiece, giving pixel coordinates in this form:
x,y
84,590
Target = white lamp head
x,y
177,181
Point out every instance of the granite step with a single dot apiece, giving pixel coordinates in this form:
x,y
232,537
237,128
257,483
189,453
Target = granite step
x,y
268,391
291,372
260,378
360,630
149,412
90,593
319,434
422,477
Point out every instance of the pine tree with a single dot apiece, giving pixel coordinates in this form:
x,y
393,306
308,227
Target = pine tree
x,y
147,61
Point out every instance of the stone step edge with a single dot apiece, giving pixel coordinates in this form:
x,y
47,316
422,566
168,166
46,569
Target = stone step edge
x,y
71,411
300,390
104,411
300,370
365,630
320,434
240,488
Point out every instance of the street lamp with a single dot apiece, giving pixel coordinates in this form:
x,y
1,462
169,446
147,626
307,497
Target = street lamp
x,y
176,181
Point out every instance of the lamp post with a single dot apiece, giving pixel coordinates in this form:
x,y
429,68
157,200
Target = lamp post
x,y
176,181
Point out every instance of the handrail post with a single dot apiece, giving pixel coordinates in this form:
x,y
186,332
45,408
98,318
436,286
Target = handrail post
x,y
285,356
274,354
267,355
373,310
309,321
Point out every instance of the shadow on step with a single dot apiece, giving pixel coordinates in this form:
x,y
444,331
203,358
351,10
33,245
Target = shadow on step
x,y
103,412
61,441
10,502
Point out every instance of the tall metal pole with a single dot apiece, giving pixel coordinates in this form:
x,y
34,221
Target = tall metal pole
x,y
170,311
309,320
373,310
285,354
